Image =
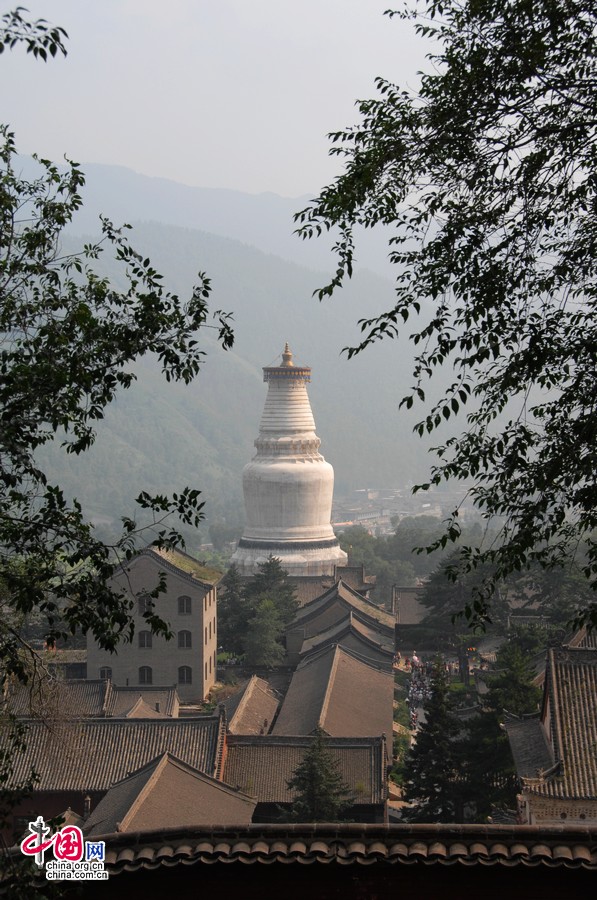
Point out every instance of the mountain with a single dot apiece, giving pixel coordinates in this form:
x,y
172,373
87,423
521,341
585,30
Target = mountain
x,y
160,437
264,221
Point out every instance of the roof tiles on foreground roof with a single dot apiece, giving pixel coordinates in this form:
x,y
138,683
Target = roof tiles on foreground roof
x,y
354,844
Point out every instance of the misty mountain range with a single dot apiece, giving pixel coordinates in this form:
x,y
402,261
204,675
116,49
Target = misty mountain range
x,y
159,436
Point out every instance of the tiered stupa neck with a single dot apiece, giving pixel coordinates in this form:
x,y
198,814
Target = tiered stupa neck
x,y
287,426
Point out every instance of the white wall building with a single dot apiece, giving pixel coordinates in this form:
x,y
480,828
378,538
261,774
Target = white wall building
x,y
189,605
288,486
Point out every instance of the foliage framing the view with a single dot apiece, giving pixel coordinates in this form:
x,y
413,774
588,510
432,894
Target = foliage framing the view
x,y
69,339
486,181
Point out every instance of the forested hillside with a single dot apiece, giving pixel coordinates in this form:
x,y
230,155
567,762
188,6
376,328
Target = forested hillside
x,y
161,437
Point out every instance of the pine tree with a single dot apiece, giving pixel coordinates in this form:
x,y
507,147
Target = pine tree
x,y
322,795
431,767
272,581
511,689
261,642
234,612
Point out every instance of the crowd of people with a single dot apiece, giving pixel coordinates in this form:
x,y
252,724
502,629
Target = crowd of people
x,y
419,685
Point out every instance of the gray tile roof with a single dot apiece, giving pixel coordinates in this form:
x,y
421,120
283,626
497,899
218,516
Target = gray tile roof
x,y
168,793
333,605
354,634
571,686
586,640
568,728
46,698
529,745
409,608
262,765
121,701
92,755
253,709
342,693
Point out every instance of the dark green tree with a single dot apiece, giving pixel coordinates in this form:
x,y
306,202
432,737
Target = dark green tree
x,y
262,639
272,581
433,764
320,794
379,559
234,612
485,179
486,772
448,590
511,689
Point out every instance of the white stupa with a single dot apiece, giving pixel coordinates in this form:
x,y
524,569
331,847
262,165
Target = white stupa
x,y
288,486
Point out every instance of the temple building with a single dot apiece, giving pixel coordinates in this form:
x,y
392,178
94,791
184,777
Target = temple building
x,y
288,486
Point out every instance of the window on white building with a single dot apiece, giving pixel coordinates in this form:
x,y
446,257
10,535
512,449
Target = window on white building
x,y
185,675
185,605
185,640
145,675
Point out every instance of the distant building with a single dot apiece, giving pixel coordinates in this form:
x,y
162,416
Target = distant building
x,y
288,486
189,604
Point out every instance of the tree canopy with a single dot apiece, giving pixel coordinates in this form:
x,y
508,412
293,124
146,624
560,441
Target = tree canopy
x,y
321,794
485,180
68,342
253,613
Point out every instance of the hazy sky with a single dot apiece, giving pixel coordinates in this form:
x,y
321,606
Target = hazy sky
x,y
214,93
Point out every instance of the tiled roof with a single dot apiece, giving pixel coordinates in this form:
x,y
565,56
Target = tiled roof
x,y
92,755
187,565
121,701
167,793
571,700
354,844
353,576
331,606
529,745
586,640
342,693
253,709
556,756
409,608
46,698
307,588
355,634
262,765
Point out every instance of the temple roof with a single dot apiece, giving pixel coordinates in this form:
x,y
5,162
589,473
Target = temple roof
x,y
91,755
252,709
340,692
261,766
167,792
567,769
